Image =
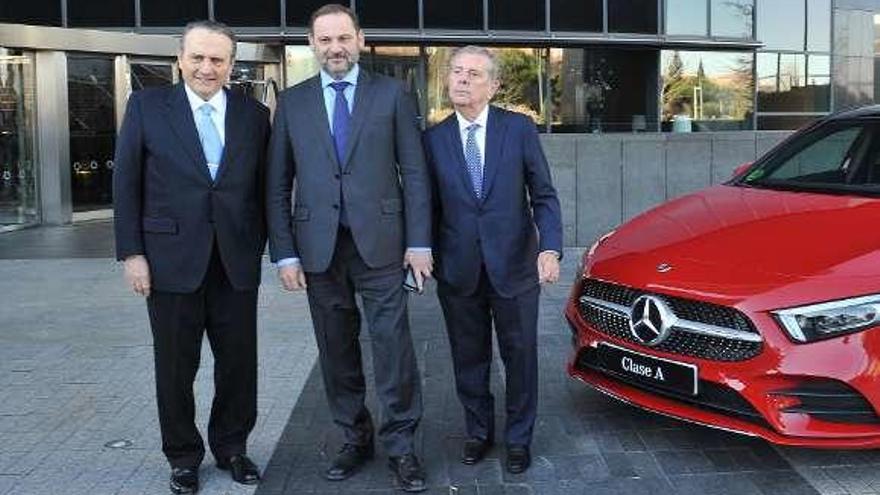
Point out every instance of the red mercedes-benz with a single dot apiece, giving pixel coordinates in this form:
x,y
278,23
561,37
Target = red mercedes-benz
x,y
752,306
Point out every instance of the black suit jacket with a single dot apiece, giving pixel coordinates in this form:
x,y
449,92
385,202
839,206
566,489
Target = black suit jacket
x,y
166,205
518,213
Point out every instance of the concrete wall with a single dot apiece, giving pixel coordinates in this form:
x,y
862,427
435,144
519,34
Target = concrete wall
x,y
606,179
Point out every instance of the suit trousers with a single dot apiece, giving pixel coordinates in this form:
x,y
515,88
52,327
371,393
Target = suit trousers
x,y
469,322
337,324
178,321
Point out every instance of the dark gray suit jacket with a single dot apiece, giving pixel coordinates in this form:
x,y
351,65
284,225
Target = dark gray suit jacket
x,y
166,205
382,179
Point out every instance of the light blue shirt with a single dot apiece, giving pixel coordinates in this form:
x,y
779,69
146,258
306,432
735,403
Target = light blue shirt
x,y
330,93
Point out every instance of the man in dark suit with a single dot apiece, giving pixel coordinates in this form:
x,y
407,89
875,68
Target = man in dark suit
x,y
492,191
188,195
346,142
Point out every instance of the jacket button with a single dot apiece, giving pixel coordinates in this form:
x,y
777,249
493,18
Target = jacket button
x,y
335,207
336,176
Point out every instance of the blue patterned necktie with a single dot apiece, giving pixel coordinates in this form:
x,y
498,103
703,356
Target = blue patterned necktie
x,y
473,160
210,138
341,119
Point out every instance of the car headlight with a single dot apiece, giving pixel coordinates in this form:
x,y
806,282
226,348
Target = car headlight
x,y
831,319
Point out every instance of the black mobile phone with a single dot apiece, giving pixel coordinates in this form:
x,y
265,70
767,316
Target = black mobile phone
x,y
409,282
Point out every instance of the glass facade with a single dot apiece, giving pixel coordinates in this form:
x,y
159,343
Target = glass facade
x,y
706,91
90,86
688,17
517,15
793,70
149,74
603,90
732,18
397,14
576,15
18,176
632,16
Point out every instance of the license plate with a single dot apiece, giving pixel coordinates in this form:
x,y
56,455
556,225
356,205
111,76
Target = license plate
x,y
649,370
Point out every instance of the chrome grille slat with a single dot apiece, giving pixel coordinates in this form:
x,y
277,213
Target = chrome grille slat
x,y
703,330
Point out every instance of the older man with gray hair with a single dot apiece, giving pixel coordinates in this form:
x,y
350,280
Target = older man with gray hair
x,y
498,236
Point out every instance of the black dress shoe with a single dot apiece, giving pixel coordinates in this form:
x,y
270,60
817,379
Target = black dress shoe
x,y
184,480
242,469
518,458
408,472
349,460
474,450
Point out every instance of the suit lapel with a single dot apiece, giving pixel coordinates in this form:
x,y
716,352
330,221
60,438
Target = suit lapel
x,y
495,132
454,145
363,101
233,128
181,120
315,106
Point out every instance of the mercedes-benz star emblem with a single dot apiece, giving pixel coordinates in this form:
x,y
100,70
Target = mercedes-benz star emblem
x,y
650,320
664,267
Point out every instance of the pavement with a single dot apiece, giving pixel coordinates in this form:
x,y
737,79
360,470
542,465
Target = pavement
x,y
78,413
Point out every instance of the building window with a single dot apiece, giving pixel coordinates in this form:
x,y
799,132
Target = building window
x,y
399,62
151,74
299,11
39,12
517,15
252,13
603,90
732,18
632,16
819,25
706,91
793,83
92,121
100,13
453,14
781,24
576,15
18,184
686,17
164,13
400,14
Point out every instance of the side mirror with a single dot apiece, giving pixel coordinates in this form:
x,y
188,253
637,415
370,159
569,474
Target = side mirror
x,y
740,169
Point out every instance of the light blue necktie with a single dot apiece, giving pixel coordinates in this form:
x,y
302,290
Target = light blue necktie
x,y
210,138
472,158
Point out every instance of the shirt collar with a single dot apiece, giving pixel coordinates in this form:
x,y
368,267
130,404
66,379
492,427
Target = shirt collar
x,y
218,101
481,119
350,78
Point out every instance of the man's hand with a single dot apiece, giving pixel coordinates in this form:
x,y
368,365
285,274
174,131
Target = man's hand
x,y
548,267
422,263
137,274
292,277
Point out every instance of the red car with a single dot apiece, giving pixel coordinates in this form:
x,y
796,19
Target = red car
x,y
752,306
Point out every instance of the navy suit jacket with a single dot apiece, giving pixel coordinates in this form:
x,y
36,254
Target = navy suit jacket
x,y
166,205
517,216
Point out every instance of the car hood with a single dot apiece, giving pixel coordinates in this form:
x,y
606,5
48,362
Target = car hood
x,y
730,242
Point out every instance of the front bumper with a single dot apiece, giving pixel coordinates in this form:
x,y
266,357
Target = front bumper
x,y
808,396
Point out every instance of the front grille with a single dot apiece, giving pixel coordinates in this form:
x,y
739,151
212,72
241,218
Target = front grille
x,y
830,400
711,396
679,341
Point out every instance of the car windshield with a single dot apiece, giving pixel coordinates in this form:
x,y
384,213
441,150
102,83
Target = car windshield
x,y
837,158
